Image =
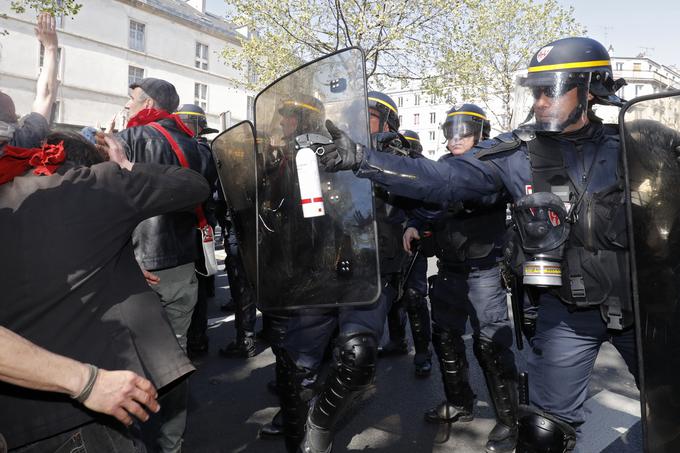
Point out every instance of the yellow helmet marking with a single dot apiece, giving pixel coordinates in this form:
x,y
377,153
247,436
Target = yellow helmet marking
x,y
574,65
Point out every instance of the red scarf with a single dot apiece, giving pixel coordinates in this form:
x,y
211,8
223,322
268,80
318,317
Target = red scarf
x,y
147,116
16,161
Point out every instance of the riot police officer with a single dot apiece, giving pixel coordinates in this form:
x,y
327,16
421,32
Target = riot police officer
x,y
467,238
359,330
561,166
413,297
197,338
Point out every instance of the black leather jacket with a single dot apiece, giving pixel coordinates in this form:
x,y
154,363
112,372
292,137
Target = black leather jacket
x,y
167,240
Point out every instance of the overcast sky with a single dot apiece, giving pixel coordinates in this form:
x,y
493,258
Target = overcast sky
x,y
651,26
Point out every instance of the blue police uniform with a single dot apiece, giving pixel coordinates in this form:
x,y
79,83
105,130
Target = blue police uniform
x,y
568,336
308,334
467,238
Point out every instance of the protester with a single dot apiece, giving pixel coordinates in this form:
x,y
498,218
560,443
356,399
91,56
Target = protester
x,y
70,281
165,246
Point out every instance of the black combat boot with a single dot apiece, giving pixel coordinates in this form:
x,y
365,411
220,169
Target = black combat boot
x,y
344,383
419,317
396,326
500,373
453,365
243,347
293,398
273,428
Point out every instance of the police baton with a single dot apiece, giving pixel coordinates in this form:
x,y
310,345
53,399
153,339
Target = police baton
x,y
415,244
515,292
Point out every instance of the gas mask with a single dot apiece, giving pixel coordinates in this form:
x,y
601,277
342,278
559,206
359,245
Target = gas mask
x,y
541,220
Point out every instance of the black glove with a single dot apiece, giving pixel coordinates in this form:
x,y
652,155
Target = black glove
x,y
343,154
383,141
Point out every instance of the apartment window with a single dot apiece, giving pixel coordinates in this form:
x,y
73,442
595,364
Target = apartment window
x,y
416,99
401,119
432,135
42,56
42,60
136,38
638,89
431,152
637,66
201,56
433,99
249,107
619,66
416,119
400,101
201,95
433,117
135,74
54,113
59,20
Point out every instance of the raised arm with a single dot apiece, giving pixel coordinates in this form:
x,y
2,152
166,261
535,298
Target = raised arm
x,y
46,88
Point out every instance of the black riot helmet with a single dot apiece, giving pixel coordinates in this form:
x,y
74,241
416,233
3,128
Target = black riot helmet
x,y
194,117
308,112
386,108
413,140
465,120
557,69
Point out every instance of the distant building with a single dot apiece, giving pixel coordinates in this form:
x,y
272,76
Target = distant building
x,y
112,43
425,113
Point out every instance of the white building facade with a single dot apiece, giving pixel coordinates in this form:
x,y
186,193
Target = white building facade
x,y
424,114
110,44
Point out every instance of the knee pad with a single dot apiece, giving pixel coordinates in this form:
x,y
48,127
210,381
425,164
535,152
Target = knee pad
x,y
412,299
358,356
540,432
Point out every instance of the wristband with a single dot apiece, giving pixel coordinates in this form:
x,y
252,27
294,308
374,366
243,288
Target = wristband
x,y
85,392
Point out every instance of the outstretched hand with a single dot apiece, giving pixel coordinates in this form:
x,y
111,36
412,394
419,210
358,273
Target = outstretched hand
x,y
343,154
46,31
122,394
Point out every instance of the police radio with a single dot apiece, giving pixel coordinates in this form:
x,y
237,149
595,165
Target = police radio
x,y
308,147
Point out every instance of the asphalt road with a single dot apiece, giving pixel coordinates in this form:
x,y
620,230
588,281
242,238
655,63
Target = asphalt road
x,y
229,403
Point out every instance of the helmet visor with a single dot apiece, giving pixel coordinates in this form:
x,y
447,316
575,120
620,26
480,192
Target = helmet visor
x,y
550,102
462,126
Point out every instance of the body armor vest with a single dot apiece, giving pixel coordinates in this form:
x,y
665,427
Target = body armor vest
x,y
470,234
595,265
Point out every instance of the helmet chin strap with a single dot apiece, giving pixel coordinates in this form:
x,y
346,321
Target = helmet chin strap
x,y
575,114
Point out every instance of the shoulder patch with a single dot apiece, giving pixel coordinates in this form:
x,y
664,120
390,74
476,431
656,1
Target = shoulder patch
x,y
500,144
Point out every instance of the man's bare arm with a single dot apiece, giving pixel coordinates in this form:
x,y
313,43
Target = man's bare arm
x,y
46,88
116,393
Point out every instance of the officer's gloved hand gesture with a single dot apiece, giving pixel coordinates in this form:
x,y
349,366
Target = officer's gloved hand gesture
x,y
382,140
343,154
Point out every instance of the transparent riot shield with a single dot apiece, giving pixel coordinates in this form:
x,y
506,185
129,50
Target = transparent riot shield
x,y
316,238
234,152
650,132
